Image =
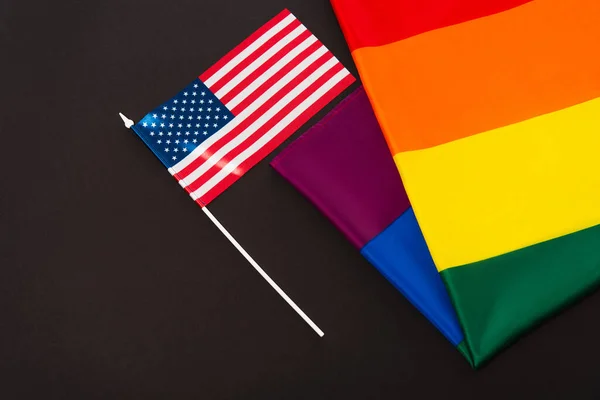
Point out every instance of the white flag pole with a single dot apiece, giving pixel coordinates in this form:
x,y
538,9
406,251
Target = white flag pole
x,y
129,123
262,272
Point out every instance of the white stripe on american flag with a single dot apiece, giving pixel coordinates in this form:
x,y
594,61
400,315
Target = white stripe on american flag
x,y
266,75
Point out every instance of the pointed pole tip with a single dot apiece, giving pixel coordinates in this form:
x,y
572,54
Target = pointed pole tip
x,y
128,123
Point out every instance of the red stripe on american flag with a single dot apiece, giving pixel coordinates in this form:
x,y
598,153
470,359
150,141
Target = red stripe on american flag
x,y
276,141
242,46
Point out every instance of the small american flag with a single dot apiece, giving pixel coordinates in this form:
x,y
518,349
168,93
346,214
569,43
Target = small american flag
x,y
243,107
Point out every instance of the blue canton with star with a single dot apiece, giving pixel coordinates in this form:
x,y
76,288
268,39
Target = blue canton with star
x,y
174,129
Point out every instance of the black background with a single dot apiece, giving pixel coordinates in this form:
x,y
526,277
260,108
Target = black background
x,y
113,283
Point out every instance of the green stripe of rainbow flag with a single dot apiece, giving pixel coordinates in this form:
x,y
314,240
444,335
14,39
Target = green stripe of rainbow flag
x,y
491,110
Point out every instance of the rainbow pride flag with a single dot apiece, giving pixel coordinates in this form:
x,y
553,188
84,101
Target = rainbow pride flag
x,y
491,110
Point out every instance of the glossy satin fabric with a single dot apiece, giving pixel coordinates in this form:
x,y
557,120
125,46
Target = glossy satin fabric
x,y
491,110
343,166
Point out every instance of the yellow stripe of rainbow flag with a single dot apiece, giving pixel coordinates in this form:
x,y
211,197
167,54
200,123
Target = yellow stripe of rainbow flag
x,y
500,197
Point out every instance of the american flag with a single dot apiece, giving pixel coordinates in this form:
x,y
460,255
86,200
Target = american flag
x,y
243,107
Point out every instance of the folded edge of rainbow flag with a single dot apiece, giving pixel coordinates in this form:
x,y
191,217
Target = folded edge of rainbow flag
x,y
491,110
343,166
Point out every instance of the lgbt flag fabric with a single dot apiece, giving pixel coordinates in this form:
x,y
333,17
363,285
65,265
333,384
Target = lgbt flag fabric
x,y
491,110
244,106
343,166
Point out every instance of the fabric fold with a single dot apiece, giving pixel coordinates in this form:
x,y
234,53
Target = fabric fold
x,y
343,166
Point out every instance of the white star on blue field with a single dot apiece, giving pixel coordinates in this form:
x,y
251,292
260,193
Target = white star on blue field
x,y
177,127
